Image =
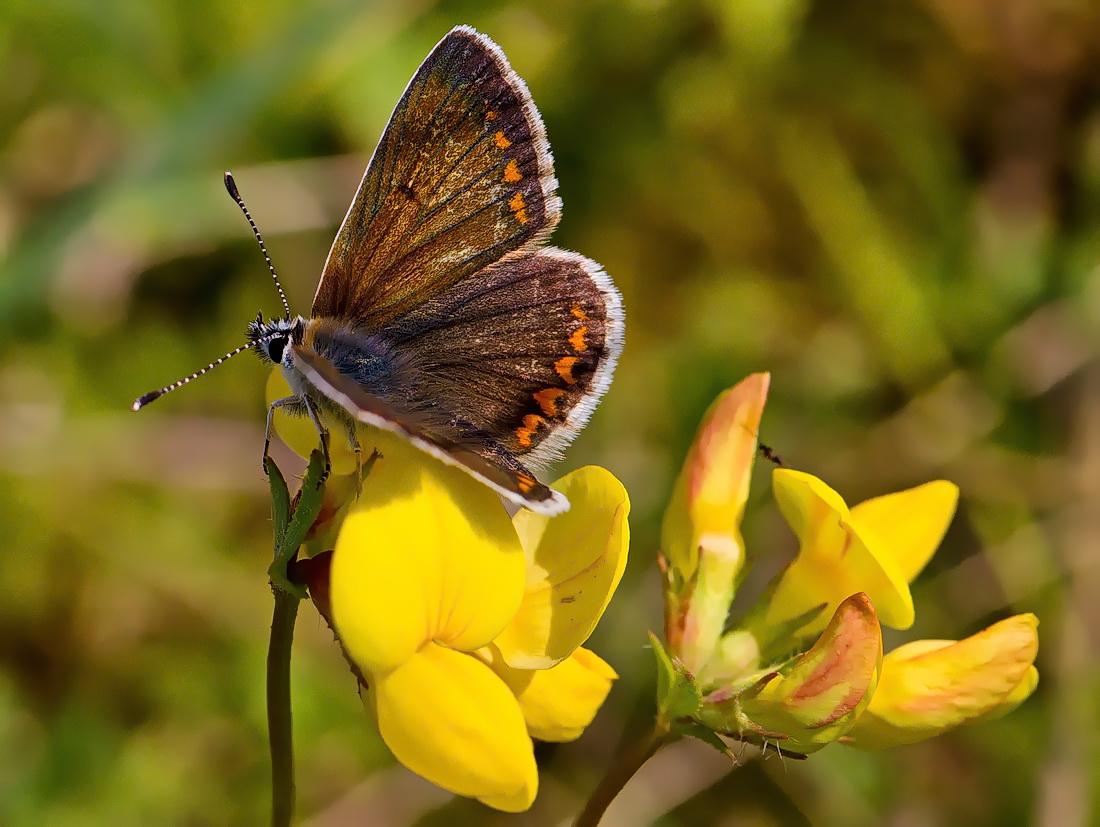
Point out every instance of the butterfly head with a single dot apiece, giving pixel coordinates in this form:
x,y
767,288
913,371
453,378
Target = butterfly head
x,y
270,339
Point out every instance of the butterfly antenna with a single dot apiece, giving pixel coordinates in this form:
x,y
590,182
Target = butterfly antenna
x,y
145,399
231,186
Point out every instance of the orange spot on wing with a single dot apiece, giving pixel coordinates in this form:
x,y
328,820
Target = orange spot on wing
x,y
564,367
548,400
491,115
578,313
501,141
577,339
526,432
518,207
511,170
525,482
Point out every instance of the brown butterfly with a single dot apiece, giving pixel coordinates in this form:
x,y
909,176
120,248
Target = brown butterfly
x,y
440,315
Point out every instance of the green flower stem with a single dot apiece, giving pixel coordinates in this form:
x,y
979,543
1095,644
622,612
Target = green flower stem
x,y
279,730
291,527
627,764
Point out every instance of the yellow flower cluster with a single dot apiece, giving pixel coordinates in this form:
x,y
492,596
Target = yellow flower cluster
x,y
759,682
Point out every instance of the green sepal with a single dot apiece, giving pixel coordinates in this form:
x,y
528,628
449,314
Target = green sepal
x,y
678,696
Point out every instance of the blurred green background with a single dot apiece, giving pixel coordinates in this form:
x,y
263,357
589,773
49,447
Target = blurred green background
x,y
894,207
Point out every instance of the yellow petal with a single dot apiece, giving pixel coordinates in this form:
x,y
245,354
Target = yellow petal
x,y
576,562
834,561
558,703
300,434
447,717
517,802
1017,696
710,493
426,554
930,686
824,691
909,525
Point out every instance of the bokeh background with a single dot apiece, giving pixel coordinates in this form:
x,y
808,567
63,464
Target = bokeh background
x,y
894,207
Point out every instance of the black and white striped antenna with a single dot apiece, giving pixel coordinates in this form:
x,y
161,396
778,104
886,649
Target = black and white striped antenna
x,y
145,399
231,186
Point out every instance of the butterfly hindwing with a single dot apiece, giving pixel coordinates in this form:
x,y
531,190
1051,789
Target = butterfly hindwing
x,y
462,176
523,349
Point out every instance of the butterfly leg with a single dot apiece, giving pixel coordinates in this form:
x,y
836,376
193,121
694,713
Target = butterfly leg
x,y
292,402
297,406
311,409
353,441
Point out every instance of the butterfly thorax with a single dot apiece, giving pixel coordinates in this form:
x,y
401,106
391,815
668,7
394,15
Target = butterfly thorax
x,y
369,360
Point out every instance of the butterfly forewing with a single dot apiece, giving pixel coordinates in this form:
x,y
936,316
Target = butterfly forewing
x,y
461,177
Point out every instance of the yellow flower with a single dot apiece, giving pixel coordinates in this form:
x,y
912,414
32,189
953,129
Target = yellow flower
x,y
879,546
575,562
466,626
704,514
557,703
876,547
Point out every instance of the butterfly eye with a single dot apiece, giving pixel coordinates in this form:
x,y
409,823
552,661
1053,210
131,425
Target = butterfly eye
x,y
275,348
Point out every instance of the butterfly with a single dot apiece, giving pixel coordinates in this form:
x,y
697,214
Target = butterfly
x,y
441,314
